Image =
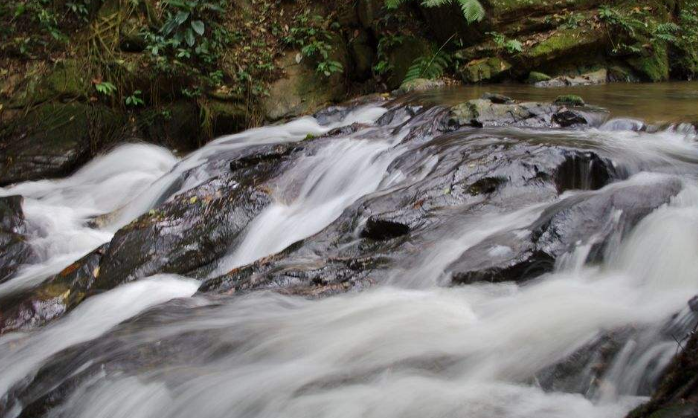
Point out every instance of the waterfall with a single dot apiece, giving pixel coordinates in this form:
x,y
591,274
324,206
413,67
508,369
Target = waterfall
x,y
587,338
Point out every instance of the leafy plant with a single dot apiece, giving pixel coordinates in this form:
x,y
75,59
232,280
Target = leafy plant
x,y
134,99
429,67
310,34
105,88
472,9
511,46
385,43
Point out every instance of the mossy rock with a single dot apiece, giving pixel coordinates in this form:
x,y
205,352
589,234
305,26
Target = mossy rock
x,y
65,81
54,139
653,66
565,45
303,90
570,100
536,77
486,69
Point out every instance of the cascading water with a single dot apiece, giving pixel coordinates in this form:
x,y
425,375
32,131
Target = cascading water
x,y
586,339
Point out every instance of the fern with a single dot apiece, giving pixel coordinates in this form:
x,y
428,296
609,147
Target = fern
x,y
472,9
429,67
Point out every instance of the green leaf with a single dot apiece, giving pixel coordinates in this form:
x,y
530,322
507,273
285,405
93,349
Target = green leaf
x,y
181,17
189,37
198,26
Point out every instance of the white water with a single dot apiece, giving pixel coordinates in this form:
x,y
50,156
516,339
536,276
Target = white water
x,y
22,354
124,184
407,349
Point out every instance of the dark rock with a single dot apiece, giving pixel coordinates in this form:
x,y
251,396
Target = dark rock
x,y
14,250
380,229
52,298
583,219
566,118
677,394
693,304
54,139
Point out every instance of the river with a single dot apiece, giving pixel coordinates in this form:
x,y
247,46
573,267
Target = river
x,y
588,337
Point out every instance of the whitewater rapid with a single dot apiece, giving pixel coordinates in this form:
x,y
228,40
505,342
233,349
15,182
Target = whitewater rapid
x,y
410,347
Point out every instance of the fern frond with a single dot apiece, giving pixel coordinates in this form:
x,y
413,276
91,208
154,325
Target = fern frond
x,y
472,10
429,67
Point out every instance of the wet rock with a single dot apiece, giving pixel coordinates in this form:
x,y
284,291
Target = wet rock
x,y
485,113
15,250
380,229
53,298
497,98
587,79
594,219
566,118
187,234
677,394
624,125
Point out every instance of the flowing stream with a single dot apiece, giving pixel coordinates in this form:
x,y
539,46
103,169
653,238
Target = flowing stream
x,y
410,346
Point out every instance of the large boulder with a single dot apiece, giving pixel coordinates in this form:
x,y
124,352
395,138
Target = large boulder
x,y
303,90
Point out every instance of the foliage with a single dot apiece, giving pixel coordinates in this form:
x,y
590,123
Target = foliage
x,y
472,9
632,30
429,67
385,43
105,88
511,46
312,36
134,99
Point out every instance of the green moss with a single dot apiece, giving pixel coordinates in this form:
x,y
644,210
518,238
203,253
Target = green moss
x,y
564,43
536,77
653,66
570,99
